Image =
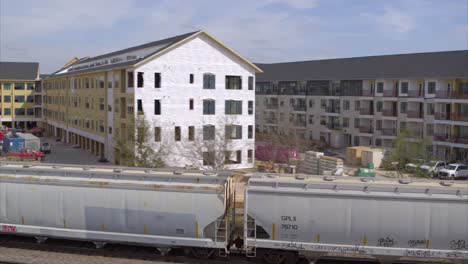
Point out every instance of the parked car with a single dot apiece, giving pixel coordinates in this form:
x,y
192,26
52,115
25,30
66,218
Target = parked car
x,y
27,153
412,166
454,171
36,131
45,147
432,167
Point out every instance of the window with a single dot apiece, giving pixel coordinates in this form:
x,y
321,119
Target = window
x,y
311,119
378,125
109,108
357,105
157,80
139,79
208,158
250,132
233,132
209,81
30,111
250,156
19,98
130,79
404,87
345,122
139,107
431,86
157,107
356,123
6,98
30,86
311,103
229,159
190,104
233,82
157,134
30,99
177,133
429,130
403,107
233,107
7,111
346,105
191,78
6,86
250,107
19,111
380,87
208,107
323,103
379,106
19,86
251,82
109,129
208,132
430,109
191,133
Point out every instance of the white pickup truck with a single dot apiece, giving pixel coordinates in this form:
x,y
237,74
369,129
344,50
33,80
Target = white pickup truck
x,y
454,171
432,168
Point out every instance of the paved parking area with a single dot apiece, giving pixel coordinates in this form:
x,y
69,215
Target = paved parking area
x,y
65,153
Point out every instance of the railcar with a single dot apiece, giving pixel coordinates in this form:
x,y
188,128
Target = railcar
x,y
342,216
164,209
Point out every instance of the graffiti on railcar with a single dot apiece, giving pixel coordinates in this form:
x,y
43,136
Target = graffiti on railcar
x,y
293,246
432,254
386,242
458,244
415,243
342,249
9,228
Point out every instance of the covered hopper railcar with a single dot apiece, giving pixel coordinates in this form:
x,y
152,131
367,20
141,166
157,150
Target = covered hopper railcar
x,y
157,208
388,220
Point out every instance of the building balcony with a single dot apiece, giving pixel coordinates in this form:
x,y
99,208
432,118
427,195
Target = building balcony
x,y
442,116
367,93
366,129
272,106
441,137
390,93
461,140
414,93
414,114
301,108
333,110
334,126
459,117
389,112
366,111
416,134
389,131
445,94
299,123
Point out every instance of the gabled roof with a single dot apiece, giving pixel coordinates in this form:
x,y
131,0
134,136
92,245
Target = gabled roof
x,y
19,70
166,45
444,64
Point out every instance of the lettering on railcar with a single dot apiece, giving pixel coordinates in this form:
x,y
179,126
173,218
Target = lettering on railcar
x,y
458,244
415,243
432,254
9,228
288,222
293,245
342,249
386,242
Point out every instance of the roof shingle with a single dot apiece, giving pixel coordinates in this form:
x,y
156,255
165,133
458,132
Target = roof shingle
x,y
19,70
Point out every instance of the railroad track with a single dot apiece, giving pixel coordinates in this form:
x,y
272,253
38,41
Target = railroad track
x,y
130,252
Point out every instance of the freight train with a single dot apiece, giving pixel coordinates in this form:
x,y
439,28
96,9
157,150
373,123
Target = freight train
x,y
283,218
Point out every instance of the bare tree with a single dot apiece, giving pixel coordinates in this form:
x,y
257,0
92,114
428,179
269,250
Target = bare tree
x,y
137,149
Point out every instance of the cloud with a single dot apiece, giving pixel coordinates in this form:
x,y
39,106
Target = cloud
x,y
392,22
298,4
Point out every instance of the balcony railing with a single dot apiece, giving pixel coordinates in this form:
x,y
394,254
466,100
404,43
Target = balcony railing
x,y
390,93
442,116
366,111
299,108
451,94
389,131
461,140
389,112
272,120
414,114
459,117
414,93
330,109
272,106
334,126
441,137
367,93
365,129
300,123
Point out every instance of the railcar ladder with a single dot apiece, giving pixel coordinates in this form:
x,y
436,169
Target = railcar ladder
x,y
221,234
251,251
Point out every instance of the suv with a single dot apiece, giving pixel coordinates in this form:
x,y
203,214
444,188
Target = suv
x,y
432,167
454,171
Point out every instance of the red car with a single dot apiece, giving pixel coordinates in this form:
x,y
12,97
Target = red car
x,y
28,154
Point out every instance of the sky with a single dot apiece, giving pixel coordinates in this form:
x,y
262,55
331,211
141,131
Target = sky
x,y
52,32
